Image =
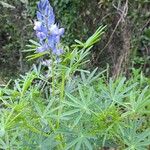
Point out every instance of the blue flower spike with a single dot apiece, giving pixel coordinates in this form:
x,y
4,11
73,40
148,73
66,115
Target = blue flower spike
x,y
47,31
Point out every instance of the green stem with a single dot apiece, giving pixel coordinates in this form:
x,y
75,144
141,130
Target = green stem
x,y
61,108
53,78
61,98
62,88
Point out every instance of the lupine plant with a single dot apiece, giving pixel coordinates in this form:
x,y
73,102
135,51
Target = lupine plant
x,y
58,105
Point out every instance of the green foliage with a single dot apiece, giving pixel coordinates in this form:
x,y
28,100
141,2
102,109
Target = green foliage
x,y
129,134
89,118
66,107
79,20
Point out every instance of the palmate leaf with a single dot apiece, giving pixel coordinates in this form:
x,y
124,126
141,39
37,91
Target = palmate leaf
x,y
83,102
143,100
133,139
10,141
79,140
48,112
27,82
77,120
74,61
80,143
69,113
79,105
37,141
116,91
88,78
96,37
138,103
22,85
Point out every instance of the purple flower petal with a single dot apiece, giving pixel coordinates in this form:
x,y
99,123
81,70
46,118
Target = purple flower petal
x,y
47,31
59,52
61,31
43,48
54,30
37,25
41,35
57,39
39,16
51,41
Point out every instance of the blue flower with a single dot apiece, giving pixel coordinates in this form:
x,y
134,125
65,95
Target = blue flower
x,y
58,51
47,31
42,48
54,30
41,35
37,25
